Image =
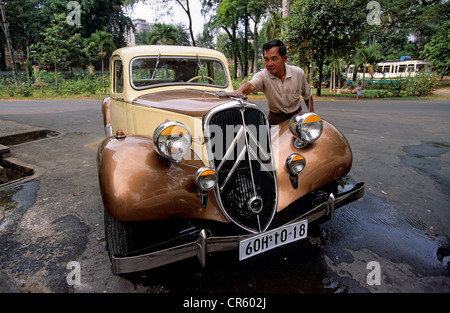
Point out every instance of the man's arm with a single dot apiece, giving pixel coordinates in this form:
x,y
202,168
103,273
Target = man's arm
x,y
245,89
310,104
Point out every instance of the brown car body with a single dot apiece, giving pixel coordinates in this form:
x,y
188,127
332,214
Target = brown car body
x,y
141,189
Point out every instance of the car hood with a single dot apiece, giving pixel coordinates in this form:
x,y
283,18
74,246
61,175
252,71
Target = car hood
x,y
189,102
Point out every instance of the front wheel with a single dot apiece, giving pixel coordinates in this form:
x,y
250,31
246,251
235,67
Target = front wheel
x,y
118,235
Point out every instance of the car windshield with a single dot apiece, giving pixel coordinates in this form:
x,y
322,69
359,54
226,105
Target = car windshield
x,y
160,70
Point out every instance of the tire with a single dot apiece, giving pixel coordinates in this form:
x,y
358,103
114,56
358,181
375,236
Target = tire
x,y
118,235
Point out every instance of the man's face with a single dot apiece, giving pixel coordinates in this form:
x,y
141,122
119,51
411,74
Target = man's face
x,y
274,62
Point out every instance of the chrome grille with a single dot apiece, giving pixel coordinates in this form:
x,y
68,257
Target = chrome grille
x,y
238,141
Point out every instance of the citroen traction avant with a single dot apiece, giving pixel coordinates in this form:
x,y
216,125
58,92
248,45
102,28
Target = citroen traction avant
x,y
189,168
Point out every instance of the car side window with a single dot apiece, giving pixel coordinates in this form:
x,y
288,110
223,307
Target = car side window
x,y
118,76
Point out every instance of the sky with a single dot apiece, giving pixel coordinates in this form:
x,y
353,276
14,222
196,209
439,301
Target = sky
x,y
146,12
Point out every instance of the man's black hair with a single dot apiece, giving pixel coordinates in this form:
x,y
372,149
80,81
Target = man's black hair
x,y
275,43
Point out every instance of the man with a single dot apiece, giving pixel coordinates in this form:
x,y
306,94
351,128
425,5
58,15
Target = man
x,y
281,83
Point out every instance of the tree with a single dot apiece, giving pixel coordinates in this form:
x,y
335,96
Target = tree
x,y
234,17
166,5
367,56
206,38
106,15
5,27
102,44
62,45
437,51
162,34
256,10
25,22
407,25
273,26
318,29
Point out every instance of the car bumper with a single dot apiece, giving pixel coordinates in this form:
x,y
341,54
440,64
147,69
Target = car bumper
x,y
204,244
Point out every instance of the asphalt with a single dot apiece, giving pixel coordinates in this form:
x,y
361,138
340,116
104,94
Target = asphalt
x,y
75,208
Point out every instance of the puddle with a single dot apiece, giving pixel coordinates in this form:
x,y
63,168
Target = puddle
x,y
7,201
376,225
420,157
15,200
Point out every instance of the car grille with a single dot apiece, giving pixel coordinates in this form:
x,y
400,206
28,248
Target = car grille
x,y
238,140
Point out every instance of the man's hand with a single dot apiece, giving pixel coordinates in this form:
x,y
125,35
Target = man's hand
x,y
225,94
245,89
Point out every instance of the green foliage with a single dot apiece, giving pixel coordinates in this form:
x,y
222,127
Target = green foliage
x,y
437,51
106,15
81,83
100,44
321,29
407,26
422,84
367,55
162,34
62,45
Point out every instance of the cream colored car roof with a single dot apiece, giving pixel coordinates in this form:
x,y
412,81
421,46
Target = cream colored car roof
x,y
128,53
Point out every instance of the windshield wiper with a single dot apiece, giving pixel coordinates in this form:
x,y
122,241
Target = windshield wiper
x,y
200,66
156,67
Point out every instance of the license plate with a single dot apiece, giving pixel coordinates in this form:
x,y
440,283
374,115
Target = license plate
x,y
272,239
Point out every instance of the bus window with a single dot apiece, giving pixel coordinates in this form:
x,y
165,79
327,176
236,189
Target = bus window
x,y
420,67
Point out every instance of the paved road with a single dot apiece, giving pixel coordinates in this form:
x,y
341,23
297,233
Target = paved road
x,y
401,150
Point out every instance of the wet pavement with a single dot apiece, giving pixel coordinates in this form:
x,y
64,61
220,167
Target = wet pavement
x,y
56,217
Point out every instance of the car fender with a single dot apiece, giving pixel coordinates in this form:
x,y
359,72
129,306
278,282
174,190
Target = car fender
x,y
327,159
137,184
106,113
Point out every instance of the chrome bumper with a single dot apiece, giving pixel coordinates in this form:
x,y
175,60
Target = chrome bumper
x,y
204,245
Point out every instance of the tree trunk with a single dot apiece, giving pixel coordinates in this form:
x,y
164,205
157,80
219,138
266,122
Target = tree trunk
x,y
237,55
56,76
2,59
245,61
8,43
187,9
286,8
255,55
320,65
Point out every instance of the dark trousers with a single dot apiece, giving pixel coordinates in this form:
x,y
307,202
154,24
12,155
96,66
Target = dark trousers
x,y
277,118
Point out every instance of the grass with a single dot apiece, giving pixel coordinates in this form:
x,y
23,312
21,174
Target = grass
x,y
326,94
38,94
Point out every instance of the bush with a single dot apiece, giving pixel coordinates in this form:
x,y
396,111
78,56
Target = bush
x,y
422,84
51,83
396,87
8,87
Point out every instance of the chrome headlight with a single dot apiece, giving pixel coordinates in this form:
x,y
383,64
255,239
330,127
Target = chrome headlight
x,y
295,163
206,178
172,140
306,127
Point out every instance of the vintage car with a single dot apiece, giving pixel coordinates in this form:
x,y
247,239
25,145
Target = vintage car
x,y
188,167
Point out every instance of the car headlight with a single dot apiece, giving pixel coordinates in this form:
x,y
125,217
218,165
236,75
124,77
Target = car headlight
x,y
172,140
206,178
306,127
295,163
